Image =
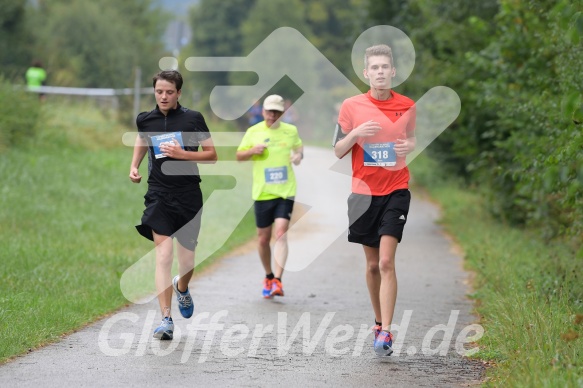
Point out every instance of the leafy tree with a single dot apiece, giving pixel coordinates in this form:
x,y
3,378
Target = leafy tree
x,y
334,27
534,66
14,38
516,70
259,25
237,27
98,43
435,27
216,32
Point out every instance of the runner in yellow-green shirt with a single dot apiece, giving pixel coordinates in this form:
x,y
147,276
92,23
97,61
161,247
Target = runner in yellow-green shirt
x,y
36,76
273,146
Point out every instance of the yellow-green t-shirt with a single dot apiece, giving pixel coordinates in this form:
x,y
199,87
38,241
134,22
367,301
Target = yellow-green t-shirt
x,y
35,76
273,175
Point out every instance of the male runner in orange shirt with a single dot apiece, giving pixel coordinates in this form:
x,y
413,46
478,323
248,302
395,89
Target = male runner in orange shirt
x,y
379,128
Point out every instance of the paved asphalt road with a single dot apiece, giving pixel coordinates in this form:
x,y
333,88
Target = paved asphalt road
x,y
317,335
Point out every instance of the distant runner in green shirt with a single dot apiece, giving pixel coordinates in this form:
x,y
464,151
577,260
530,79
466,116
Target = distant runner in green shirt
x,y
273,146
36,76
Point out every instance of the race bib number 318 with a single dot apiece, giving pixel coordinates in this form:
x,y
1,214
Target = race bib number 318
x,y
379,154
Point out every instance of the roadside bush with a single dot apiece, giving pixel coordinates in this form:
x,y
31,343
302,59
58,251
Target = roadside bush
x,y
519,135
19,114
535,172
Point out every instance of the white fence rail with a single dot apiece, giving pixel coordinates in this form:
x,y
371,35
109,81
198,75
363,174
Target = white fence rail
x,y
87,91
136,91
94,92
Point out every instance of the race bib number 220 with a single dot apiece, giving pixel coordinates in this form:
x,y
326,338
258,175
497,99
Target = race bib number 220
x,y
276,175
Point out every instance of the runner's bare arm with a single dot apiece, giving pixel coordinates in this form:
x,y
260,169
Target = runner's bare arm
x,y
244,155
405,147
140,150
297,155
367,129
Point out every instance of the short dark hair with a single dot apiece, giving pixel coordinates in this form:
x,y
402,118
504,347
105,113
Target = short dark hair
x,y
172,76
378,50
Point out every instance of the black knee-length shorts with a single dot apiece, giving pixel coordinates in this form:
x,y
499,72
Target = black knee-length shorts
x,y
172,214
371,217
267,211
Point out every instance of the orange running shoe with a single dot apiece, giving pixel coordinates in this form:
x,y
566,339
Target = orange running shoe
x,y
276,288
267,286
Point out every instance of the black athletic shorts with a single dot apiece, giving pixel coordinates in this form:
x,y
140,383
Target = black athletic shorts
x,y
267,211
371,217
173,214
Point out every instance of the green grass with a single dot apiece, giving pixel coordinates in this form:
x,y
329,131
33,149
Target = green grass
x,y
67,226
67,236
528,292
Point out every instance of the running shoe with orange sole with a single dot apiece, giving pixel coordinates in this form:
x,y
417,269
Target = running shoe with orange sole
x,y
276,288
267,287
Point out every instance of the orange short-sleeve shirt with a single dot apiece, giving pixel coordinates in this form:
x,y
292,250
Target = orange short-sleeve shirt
x,y
375,168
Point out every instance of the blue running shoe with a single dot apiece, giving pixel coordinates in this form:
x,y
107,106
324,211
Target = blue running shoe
x,y
166,329
185,304
267,285
376,330
383,344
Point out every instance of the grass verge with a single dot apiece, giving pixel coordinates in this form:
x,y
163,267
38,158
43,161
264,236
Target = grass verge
x,y
67,226
528,292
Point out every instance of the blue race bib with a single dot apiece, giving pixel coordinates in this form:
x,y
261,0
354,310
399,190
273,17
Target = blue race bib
x,y
276,175
379,154
158,140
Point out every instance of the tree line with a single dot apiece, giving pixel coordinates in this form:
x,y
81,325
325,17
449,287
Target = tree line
x,y
81,43
515,65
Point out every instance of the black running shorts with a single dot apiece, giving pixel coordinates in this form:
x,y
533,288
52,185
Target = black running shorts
x,y
267,211
371,217
173,214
